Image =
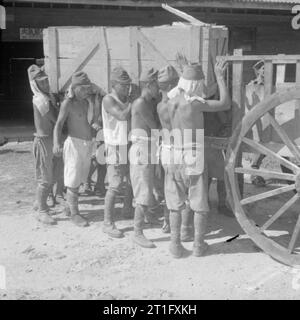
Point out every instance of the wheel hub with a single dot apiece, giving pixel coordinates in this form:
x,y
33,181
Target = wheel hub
x,y
297,183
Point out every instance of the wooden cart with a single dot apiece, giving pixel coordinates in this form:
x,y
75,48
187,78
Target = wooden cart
x,y
279,139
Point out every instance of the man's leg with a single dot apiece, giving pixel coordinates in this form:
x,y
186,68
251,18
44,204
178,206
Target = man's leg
x,y
139,237
200,225
42,151
114,182
72,200
128,210
100,184
187,225
176,247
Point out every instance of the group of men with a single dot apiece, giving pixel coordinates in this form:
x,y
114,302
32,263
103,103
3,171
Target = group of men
x,y
159,125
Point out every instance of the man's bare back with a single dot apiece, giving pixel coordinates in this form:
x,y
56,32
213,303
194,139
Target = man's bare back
x,y
142,116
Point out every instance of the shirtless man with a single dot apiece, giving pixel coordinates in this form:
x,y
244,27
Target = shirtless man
x,y
44,121
167,80
77,149
187,179
144,119
116,112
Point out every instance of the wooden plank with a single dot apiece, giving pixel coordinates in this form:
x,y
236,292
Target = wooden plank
x,y
104,67
81,60
195,53
276,59
134,55
280,73
298,72
238,107
268,90
206,33
183,15
53,62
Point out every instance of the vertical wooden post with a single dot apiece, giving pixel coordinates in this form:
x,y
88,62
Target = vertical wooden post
x,y
206,42
134,55
238,106
195,53
104,52
269,89
53,63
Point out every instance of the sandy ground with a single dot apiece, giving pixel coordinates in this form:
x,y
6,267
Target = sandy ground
x,y
66,262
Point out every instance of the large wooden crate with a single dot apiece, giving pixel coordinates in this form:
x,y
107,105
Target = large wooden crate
x,y
97,50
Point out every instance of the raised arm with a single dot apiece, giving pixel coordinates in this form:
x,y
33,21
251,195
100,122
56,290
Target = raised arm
x,y
224,102
111,106
62,116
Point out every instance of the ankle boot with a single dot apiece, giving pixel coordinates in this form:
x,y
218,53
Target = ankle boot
x,y
200,223
109,208
128,210
176,247
43,214
187,225
139,237
76,218
166,226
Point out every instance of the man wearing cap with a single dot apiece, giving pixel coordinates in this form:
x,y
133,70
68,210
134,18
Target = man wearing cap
x,y
186,177
78,110
144,120
44,121
116,112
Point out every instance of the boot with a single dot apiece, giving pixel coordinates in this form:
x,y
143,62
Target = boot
x,y
176,247
139,237
200,223
43,214
76,218
128,210
166,226
186,226
222,207
109,225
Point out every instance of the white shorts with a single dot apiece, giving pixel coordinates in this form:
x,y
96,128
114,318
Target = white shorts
x,y
77,159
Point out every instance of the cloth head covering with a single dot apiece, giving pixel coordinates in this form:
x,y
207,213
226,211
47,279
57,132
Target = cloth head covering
x,y
167,74
120,75
149,75
80,78
192,72
40,99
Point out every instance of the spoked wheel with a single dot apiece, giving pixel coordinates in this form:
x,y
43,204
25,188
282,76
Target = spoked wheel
x,y
285,250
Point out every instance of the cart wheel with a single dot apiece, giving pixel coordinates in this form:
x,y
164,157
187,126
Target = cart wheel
x,y
285,251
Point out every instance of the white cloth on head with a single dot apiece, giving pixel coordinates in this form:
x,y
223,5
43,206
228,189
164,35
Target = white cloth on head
x,y
189,87
40,99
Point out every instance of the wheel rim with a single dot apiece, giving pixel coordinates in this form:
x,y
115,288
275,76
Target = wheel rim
x,y
284,254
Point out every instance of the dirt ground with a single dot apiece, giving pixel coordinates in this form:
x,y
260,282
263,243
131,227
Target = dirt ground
x,y
66,262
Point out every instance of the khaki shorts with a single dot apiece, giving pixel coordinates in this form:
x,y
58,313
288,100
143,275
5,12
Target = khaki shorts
x,y
180,187
77,160
117,170
142,180
43,156
142,174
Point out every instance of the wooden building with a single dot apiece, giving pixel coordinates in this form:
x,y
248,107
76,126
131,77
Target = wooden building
x,y
257,26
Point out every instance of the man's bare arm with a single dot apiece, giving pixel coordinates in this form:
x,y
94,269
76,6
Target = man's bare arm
x,y
111,106
224,102
62,116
